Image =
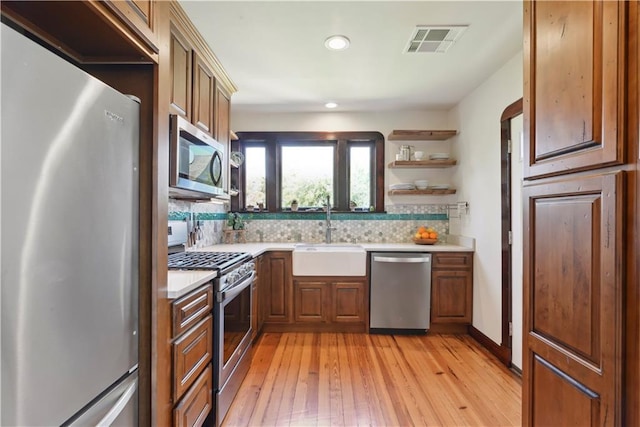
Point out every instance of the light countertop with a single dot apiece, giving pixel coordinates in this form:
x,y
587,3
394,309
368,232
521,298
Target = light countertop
x,y
256,249
181,282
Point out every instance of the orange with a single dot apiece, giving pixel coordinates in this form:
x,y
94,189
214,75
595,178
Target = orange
x,y
433,235
421,229
425,235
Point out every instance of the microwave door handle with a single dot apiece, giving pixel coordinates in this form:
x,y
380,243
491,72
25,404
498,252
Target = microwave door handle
x,y
214,158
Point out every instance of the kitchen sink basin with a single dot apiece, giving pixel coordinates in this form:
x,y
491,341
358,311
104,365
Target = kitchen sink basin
x,y
323,259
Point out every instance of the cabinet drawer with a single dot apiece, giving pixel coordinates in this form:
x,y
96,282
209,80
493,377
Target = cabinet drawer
x,y
188,310
452,260
197,403
191,354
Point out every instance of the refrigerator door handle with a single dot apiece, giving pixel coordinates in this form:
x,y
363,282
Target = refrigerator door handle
x,y
124,399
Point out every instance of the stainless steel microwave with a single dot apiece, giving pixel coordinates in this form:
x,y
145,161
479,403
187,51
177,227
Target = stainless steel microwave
x,y
196,161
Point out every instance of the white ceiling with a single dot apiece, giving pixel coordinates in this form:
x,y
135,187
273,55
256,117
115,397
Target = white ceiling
x,y
274,51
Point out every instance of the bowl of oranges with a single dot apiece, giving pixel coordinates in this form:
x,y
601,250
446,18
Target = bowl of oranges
x,y
425,236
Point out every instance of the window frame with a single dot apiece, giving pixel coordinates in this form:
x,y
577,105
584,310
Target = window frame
x,y
273,141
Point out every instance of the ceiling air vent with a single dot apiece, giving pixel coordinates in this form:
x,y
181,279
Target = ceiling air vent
x,y
434,39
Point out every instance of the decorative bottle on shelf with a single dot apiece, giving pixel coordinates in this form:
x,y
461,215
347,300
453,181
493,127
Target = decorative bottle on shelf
x,y
405,152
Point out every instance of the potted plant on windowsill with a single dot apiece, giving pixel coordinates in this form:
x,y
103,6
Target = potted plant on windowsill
x,y
294,205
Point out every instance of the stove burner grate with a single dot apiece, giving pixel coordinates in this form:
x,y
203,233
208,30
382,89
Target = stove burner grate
x,y
204,260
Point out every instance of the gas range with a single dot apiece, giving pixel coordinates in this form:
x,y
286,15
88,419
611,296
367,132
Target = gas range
x,y
232,267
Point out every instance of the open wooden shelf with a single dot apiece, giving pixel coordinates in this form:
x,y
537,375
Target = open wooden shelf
x,y
421,135
423,163
427,192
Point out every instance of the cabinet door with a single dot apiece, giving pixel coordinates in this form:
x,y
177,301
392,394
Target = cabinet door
x,y
278,299
139,16
348,302
222,112
572,364
203,83
573,90
181,60
193,409
192,352
451,296
310,301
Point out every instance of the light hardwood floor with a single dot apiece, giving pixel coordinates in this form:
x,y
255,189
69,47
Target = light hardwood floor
x,y
309,379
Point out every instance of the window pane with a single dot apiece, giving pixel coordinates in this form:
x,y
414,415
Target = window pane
x,y
307,175
360,176
255,168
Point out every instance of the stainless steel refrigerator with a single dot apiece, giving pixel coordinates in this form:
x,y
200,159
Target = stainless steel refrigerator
x,y
69,253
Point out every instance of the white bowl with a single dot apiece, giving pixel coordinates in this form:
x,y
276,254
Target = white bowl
x,y
418,155
421,184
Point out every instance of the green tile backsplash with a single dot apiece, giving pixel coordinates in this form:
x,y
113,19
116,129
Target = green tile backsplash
x,y
397,225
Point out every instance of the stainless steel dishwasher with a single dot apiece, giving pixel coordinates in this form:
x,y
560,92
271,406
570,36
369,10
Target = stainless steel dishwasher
x,y
400,292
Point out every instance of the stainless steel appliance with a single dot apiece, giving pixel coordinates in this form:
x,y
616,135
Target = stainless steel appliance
x,y
232,317
197,161
400,292
69,254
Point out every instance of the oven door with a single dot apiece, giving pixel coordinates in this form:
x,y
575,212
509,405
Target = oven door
x,y
233,313
196,159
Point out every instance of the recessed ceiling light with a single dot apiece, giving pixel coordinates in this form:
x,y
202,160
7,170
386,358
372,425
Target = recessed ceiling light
x,y
337,42
331,105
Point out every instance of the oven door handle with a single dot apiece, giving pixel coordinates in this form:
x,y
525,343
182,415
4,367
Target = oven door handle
x,y
233,292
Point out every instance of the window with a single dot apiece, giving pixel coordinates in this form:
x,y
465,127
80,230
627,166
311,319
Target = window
x,y
307,167
256,178
307,175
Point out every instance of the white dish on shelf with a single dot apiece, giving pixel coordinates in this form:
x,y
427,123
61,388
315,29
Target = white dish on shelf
x,y
421,184
440,187
439,156
402,186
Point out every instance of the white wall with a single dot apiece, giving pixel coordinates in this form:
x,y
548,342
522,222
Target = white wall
x,y
383,122
477,177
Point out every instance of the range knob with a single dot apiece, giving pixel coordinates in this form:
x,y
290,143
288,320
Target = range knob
x,y
232,278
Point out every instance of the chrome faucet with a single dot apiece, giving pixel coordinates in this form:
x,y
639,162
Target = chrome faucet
x,y
328,228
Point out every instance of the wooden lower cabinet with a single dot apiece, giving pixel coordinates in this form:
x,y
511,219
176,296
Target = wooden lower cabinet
x,y
197,403
311,301
348,302
327,304
290,303
452,288
192,353
277,295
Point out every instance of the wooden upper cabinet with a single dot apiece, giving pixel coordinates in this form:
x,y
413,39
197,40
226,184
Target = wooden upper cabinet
x,y
222,113
573,89
181,61
203,84
139,16
91,32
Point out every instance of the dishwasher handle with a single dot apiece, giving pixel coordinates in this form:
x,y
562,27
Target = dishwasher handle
x,y
401,260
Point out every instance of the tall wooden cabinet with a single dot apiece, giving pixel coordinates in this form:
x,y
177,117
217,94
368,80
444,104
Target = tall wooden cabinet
x,y
580,365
